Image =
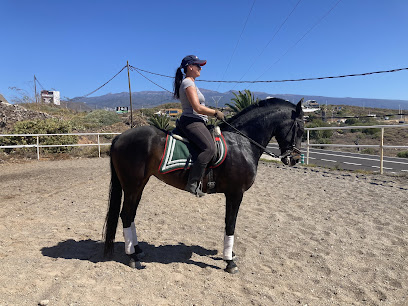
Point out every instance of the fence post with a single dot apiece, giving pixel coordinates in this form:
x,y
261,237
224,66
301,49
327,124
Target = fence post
x,y
99,147
308,142
38,147
382,152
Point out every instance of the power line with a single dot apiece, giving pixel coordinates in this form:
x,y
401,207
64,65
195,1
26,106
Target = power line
x,y
138,70
236,46
295,44
287,80
100,86
162,75
266,46
135,69
39,83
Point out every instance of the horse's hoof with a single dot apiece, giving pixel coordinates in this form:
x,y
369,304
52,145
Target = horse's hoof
x,y
135,264
231,267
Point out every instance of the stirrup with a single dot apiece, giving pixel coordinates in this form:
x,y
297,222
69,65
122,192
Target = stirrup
x,y
195,189
199,191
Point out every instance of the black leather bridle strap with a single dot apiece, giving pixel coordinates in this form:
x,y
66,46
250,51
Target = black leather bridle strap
x,y
265,150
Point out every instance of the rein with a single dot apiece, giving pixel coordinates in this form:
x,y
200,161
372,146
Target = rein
x,y
291,151
253,141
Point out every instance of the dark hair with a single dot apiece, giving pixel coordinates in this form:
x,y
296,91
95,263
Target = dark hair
x,y
177,83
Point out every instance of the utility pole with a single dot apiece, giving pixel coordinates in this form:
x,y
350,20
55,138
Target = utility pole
x,y
216,100
35,89
130,98
400,111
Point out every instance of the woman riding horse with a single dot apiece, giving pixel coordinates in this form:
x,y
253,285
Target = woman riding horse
x,y
136,155
194,118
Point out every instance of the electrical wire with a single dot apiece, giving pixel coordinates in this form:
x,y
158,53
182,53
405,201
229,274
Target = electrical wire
x,y
135,69
304,35
39,83
287,80
274,35
236,46
84,96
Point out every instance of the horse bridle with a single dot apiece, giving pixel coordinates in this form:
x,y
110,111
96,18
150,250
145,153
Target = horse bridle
x,y
291,151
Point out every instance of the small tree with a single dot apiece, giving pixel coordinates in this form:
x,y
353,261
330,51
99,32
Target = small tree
x,y
160,121
319,134
403,154
242,100
22,96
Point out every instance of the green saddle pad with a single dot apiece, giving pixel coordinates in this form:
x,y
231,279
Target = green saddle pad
x,y
178,155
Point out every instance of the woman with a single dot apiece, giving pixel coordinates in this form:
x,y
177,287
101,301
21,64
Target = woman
x,y
194,118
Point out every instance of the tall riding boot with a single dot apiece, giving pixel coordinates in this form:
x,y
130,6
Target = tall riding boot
x,y
194,178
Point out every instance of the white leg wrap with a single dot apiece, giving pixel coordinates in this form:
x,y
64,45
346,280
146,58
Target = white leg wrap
x,y
133,227
129,245
228,245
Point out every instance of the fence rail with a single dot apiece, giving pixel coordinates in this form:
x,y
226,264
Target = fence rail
x,y
381,145
38,145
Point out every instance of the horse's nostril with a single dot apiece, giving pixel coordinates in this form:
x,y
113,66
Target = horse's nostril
x,y
286,160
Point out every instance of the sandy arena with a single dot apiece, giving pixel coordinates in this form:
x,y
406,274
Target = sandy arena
x,y
304,236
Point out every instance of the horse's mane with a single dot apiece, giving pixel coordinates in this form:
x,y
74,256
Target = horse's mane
x,y
271,102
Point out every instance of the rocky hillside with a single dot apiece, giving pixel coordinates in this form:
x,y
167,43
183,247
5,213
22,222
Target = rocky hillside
x,y
10,114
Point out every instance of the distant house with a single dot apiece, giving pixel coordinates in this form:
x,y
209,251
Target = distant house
x,y
310,106
122,109
171,112
50,97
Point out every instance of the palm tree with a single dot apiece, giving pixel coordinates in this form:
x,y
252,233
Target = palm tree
x,y
160,121
242,100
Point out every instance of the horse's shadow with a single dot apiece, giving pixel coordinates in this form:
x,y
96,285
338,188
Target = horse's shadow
x,y
92,251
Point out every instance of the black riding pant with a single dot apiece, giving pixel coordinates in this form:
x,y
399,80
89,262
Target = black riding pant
x,y
197,132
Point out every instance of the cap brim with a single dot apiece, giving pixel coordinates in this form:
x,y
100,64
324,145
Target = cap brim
x,y
201,62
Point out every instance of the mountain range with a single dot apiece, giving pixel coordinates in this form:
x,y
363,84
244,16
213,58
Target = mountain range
x,y
147,99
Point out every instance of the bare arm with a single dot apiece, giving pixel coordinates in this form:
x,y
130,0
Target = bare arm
x,y
192,97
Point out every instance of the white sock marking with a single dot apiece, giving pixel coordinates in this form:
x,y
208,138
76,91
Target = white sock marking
x,y
228,245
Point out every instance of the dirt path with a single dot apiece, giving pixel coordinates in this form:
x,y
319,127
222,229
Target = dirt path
x,y
304,236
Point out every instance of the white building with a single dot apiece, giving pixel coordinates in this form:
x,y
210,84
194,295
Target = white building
x,y
52,97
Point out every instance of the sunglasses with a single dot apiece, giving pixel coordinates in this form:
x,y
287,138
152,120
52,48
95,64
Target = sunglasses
x,y
198,66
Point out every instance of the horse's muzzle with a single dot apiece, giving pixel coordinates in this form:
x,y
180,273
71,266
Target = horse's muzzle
x,y
290,158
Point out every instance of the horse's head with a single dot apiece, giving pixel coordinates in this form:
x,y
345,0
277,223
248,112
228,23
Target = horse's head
x,y
289,136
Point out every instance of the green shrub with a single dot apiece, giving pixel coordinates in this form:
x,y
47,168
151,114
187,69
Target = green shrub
x,y
161,122
403,154
99,118
323,141
321,133
48,126
352,121
369,151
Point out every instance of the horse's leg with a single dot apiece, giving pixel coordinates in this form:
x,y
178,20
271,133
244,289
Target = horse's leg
x,y
233,201
128,213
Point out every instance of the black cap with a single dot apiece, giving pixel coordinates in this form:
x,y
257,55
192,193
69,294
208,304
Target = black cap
x,y
192,59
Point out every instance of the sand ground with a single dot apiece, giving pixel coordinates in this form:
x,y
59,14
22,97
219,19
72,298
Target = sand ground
x,y
304,236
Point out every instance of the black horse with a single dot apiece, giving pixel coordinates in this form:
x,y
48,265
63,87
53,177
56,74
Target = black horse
x,y
136,154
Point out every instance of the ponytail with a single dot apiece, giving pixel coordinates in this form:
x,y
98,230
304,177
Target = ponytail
x,y
177,83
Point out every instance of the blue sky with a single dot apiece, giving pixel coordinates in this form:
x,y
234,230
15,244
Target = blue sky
x,y
76,46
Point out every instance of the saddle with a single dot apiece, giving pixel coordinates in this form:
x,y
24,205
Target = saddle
x,y
180,154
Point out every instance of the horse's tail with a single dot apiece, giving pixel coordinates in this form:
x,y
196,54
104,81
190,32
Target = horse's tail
x,y
115,198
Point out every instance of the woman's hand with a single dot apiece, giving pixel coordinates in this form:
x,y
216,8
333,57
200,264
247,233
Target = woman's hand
x,y
219,115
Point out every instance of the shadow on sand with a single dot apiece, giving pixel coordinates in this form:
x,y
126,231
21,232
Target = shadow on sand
x,y
92,251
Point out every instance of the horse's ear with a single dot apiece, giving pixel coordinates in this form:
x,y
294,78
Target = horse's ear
x,y
299,110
